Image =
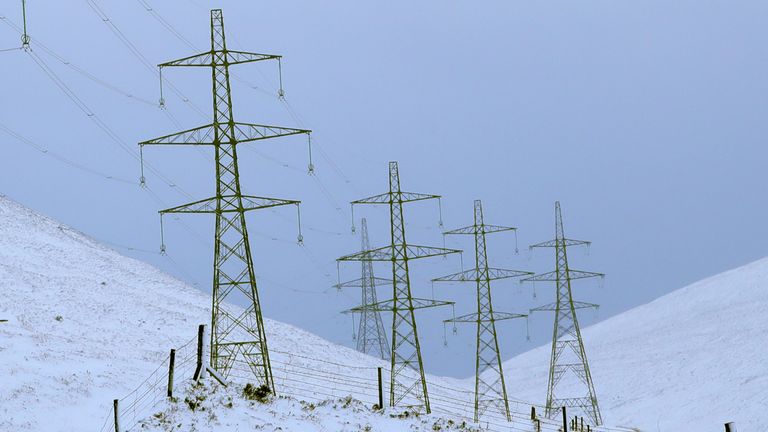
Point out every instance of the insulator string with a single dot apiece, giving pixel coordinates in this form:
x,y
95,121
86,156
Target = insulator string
x,y
517,251
25,36
338,275
161,102
453,312
142,179
440,210
354,336
162,236
352,209
311,166
527,330
299,237
280,91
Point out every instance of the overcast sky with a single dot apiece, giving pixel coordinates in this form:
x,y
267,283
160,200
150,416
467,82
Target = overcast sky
x,y
646,120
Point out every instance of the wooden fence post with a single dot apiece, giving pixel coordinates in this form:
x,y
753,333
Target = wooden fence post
x,y
117,415
565,421
200,369
381,390
538,425
730,427
582,424
171,365
533,413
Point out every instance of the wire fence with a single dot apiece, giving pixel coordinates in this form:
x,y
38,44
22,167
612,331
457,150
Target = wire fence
x,y
141,402
314,379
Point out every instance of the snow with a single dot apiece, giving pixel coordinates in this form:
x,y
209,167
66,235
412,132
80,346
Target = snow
x,y
87,325
209,406
691,360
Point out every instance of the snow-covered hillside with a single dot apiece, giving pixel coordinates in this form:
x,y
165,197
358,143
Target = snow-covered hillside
x,y
87,325
688,361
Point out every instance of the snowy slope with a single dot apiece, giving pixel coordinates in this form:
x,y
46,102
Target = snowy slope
x,y
688,361
691,360
87,325
209,406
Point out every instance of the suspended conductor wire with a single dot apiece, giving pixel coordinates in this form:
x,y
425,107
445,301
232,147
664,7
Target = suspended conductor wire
x,y
76,68
83,107
136,52
44,150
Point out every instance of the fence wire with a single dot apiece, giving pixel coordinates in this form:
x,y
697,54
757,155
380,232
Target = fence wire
x,y
315,380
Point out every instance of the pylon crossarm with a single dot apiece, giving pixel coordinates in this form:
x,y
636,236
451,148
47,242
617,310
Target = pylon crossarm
x,y
385,253
221,58
404,197
389,305
566,242
472,275
475,317
360,282
229,203
243,132
552,276
576,305
483,229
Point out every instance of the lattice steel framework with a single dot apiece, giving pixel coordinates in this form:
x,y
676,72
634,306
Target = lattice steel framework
x,y
371,336
408,385
490,390
233,334
568,355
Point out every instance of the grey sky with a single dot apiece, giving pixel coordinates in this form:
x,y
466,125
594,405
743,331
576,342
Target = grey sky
x,y
645,119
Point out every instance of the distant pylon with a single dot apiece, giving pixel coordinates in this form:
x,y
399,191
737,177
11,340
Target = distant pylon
x,y
371,336
235,336
490,391
568,355
408,384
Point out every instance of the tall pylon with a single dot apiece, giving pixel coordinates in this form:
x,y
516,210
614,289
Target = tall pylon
x,y
234,336
490,390
408,385
568,354
371,336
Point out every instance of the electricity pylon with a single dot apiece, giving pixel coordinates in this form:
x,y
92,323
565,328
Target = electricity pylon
x,y
568,355
371,336
233,334
490,390
406,351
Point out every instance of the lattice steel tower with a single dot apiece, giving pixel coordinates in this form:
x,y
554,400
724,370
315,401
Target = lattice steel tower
x,y
568,356
234,336
408,385
490,390
371,336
